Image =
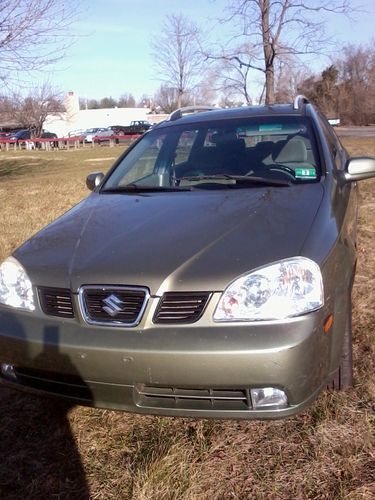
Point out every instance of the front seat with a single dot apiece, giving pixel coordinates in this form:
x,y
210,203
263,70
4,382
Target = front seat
x,y
293,154
233,154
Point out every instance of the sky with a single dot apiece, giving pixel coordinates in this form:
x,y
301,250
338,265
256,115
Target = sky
x,y
111,50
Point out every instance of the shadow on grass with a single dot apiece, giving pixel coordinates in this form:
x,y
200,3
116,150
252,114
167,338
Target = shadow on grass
x,y
13,168
39,458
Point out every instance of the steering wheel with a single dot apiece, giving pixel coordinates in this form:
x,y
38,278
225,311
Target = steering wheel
x,y
283,169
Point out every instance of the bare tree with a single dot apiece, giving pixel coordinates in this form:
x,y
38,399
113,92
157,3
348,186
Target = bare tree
x,y
323,90
234,80
205,91
166,99
93,104
233,71
145,101
126,101
357,84
32,111
107,102
277,28
346,88
177,56
32,34
289,72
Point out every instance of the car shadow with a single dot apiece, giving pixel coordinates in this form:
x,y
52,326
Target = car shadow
x,y
39,458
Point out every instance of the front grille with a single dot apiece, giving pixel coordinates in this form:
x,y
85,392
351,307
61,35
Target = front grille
x,y
118,306
193,399
56,302
181,307
64,385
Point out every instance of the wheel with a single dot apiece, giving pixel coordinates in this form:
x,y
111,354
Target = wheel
x,y
343,378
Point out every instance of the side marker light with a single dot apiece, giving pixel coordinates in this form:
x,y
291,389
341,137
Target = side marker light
x,y
328,323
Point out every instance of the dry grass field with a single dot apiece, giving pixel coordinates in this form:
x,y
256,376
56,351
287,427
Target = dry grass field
x,y
48,451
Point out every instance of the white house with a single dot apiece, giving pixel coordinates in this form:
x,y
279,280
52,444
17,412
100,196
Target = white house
x,y
74,119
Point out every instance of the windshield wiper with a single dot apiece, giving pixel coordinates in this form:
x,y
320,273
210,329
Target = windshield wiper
x,y
138,188
241,179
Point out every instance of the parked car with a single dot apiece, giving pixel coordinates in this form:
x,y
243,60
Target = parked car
x,y
76,133
48,135
136,127
108,134
25,135
20,135
208,274
90,133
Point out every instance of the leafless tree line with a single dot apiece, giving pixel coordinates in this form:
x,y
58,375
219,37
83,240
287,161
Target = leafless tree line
x,y
263,52
346,89
31,111
269,37
126,100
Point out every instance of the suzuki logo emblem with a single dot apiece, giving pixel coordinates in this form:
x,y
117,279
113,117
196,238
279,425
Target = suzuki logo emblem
x,y
113,305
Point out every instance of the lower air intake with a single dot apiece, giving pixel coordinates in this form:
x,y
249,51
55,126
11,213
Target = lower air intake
x,y
63,385
193,399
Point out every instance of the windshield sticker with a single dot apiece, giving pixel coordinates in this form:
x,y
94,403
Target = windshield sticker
x,y
305,173
270,127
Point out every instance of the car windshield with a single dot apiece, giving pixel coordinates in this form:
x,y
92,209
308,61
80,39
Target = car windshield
x,y
222,154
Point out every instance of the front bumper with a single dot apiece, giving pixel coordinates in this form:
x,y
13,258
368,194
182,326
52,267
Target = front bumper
x,y
114,368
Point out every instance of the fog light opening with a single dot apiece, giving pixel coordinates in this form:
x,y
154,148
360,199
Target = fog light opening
x,y
7,371
267,398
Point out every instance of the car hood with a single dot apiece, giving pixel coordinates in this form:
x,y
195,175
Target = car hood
x,y
188,241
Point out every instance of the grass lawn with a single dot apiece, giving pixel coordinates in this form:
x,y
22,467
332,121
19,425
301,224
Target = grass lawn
x,y
50,451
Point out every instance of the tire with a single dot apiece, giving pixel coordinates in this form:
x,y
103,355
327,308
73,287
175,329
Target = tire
x,y
343,378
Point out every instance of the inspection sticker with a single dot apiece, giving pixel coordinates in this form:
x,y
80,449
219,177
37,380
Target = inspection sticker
x,y
305,173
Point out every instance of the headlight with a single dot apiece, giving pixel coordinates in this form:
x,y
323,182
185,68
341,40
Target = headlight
x,y
15,286
287,288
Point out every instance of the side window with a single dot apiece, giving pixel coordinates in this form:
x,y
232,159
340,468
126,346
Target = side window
x,y
184,146
334,144
341,155
140,162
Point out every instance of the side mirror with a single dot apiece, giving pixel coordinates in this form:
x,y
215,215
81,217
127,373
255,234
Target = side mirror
x,y
93,180
362,167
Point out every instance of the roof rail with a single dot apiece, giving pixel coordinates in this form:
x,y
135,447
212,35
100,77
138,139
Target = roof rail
x,y
299,100
178,113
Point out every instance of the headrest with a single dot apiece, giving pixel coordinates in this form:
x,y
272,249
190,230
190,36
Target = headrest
x,y
294,151
224,138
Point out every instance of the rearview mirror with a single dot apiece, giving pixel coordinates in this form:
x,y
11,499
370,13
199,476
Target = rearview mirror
x,y
362,167
94,179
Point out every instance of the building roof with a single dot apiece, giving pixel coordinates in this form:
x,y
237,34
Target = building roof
x,y
63,123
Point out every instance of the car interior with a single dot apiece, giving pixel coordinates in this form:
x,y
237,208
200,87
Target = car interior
x,y
183,157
